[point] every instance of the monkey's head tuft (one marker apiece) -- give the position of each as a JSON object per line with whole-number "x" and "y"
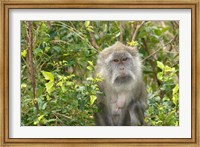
{"x": 118, "y": 46}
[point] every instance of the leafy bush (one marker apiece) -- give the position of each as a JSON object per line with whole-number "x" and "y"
{"x": 57, "y": 64}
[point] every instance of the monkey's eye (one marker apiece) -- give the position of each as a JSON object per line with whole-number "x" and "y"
{"x": 125, "y": 59}
{"x": 116, "y": 60}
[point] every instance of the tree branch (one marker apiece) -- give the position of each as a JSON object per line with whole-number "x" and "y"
{"x": 137, "y": 29}
{"x": 121, "y": 28}
{"x": 152, "y": 63}
{"x": 30, "y": 62}
{"x": 160, "y": 48}
{"x": 93, "y": 40}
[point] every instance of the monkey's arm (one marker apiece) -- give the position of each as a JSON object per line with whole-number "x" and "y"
{"x": 103, "y": 117}
{"x": 138, "y": 106}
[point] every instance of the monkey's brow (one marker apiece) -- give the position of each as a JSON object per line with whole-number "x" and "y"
{"x": 120, "y": 56}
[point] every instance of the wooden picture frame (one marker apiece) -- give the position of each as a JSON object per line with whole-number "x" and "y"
{"x": 4, "y": 73}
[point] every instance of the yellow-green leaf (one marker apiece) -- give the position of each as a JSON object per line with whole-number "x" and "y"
{"x": 160, "y": 65}
{"x": 23, "y": 53}
{"x": 40, "y": 117}
{"x": 175, "y": 89}
{"x": 49, "y": 86}
{"x": 92, "y": 99}
{"x": 23, "y": 85}
{"x": 175, "y": 94}
{"x": 48, "y": 75}
{"x": 160, "y": 76}
{"x": 90, "y": 63}
{"x": 133, "y": 43}
{"x": 90, "y": 29}
{"x": 89, "y": 68}
{"x": 87, "y": 23}
{"x": 48, "y": 97}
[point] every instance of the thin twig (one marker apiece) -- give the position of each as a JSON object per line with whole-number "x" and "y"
{"x": 79, "y": 34}
{"x": 121, "y": 28}
{"x": 137, "y": 29}
{"x": 58, "y": 41}
{"x": 67, "y": 117}
{"x": 160, "y": 48}
{"x": 30, "y": 62}
{"x": 152, "y": 64}
{"x": 93, "y": 40}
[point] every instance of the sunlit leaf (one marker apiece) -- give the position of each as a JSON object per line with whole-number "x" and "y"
{"x": 90, "y": 62}
{"x": 87, "y": 23}
{"x": 175, "y": 94}
{"x": 44, "y": 106}
{"x": 160, "y": 76}
{"x": 40, "y": 117}
{"x": 23, "y": 53}
{"x": 89, "y": 68}
{"x": 23, "y": 85}
{"x": 49, "y": 86}
{"x": 48, "y": 75}
{"x": 92, "y": 99}
{"x": 160, "y": 65}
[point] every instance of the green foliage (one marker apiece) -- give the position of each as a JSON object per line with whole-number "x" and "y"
{"x": 64, "y": 56}
{"x": 163, "y": 105}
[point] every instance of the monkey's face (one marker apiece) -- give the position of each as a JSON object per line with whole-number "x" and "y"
{"x": 122, "y": 68}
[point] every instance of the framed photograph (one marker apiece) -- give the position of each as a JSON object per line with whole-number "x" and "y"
{"x": 106, "y": 72}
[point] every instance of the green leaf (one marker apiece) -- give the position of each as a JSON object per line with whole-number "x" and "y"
{"x": 90, "y": 29}
{"x": 44, "y": 106}
{"x": 23, "y": 53}
{"x": 170, "y": 118}
{"x": 57, "y": 48}
{"x": 48, "y": 98}
{"x": 157, "y": 32}
{"x": 23, "y": 85}
{"x": 160, "y": 65}
{"x": 63, "y": 88}
{"x": 60, "y": 84}
{"x": 169, "y": 69}
{"x": 90, "y": 63}
{"x": 160, "y": 76}
{"x": 40, "y": 117}
{"x": 36, "y": 122}
{"x": 87, "y": 23}
{"x": 89, "y": 68}
{"x": 175, "y": 94}
{"x": 51, "y": 120}
{"x": 176, "y": 88}
{"x": 69, "y": 83}
{"x": 47, "y": 49}
{"x": 37, "y": 51}
{"x": 89, "y": 79}
{"x": 133, "y": 43}
{"x": 48, "y": 76}
{"x": 49, "y": 86}
{"x": 92, "y": 99}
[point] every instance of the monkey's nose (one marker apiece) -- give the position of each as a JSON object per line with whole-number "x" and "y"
{"x": 121, "y": 68}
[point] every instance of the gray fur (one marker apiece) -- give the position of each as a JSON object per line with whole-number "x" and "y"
{"x": 124, "y": 99}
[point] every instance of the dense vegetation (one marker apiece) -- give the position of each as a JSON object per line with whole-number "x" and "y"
{"x": 57, "y": 64}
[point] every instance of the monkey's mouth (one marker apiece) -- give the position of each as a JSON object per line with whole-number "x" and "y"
{"x": 123, "y": 79}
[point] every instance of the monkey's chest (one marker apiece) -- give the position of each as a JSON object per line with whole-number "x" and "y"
{"x": 118, "y": 102}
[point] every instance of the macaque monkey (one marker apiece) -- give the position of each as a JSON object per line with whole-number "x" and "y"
{"x": 124, "y": 99}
